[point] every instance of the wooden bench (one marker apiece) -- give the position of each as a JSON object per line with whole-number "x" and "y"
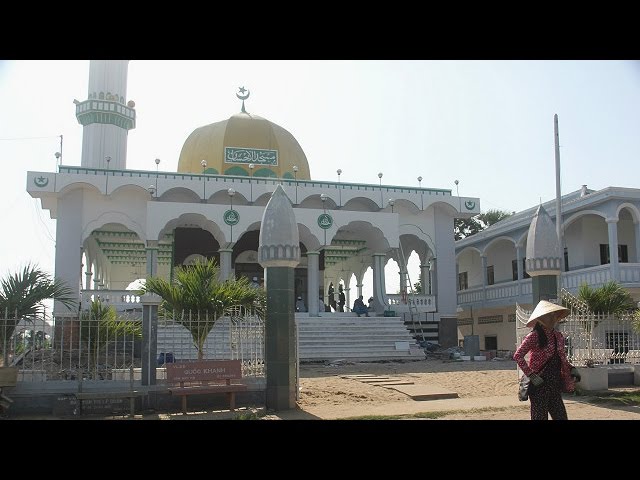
{"x": 8, "y": 378}
{"x": 131, "y": 394}
{"x": 205, "y": 376}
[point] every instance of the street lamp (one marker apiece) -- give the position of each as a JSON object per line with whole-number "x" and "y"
{"x": 203, "y": 163}
{"x": 58, "y": 155}
{"x": 295, "y": 176}
{"x": 339, "y": 172}
{"x": 421, "y": 193}
{"x": 231, "y": 192}
{"x": 380, "y": 178}
{"x": 251, "y": 167}
{"x": 152, "y": 190}
{"x": 106, "y": 187}
{"x": 157, "y": 164}
{"x": 458, "y": 193}
{"x": 323, "y": 197}
{"x": 391, "y": 203}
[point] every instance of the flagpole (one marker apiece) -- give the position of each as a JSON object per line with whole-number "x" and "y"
{"x": 558, "y": 201}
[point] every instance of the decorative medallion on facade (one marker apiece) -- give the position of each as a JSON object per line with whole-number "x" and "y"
{"x": 41, "y": 182}
{"x": 251, "y": 155}
{"x": 231, "y": 217}
{"x": 325, "y": 221}
{"x": 470, "y": 204}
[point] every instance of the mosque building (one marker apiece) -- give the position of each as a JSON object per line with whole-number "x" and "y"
{"x": 116, "y": 225}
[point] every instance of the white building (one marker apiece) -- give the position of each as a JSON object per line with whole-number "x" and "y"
{"x": 116, "y": 225}
{"x": 601, "y": 242}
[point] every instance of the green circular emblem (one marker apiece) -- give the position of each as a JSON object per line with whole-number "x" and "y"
{"x": 325, "y": 221}
{"x": 470, "y": 204}
{"x": 231, "y": 217}
{"x": 41, "y": 182}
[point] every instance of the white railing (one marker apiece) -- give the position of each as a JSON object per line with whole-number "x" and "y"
{"x": 592, "y": 339}
{"x": 412, "y": 302}
{"x": 593, "y": 276}
{"x": 121, "y": 300}
{"x": 508, "y": 291}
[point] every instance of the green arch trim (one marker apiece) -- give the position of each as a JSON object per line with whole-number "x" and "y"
{"x": 288, "y": 175}
{"x": 211, "y": 171}
{"x": 236, "y": 171}
{"x": 265, "y": 172}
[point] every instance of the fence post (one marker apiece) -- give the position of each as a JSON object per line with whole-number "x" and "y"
{"x": 150, "y": 303}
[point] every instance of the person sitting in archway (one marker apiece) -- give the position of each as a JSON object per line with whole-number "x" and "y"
{"x": 359, "y": 307}
{"x": 300, "y": 306}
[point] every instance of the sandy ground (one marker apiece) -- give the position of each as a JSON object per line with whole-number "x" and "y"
{"x": 486, "y": 391}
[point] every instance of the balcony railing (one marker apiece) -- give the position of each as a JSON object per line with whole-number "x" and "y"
{"x": 122, "y": 300}
{"x": 507, "y": 292}
{"x": 415, "y": 303}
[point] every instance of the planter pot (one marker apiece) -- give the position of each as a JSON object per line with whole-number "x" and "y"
{"x": 596, "y": 378}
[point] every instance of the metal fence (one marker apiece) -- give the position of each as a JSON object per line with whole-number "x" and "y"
{"x": 238, "y": 335}
{"x": 107, "y": 347}
{"x": 592, "y": 339}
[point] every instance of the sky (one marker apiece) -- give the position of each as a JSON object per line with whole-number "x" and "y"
{"x": 487, "y": 124}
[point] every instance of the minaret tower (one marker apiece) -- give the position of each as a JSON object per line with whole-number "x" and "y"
{"x": 106, "y": 116}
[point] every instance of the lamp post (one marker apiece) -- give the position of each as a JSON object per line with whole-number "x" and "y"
{"x": 391, "y": 203}
{"x": 157, "y": 164}
{"x": 203, "y": 163}
{"x": 323, "y": 197}
{"x": 251, "y": 167}
{"x": 295, "y": 176}
{"x": 421, "y": 193}
{"x": 231, "y": 193}
{"x": 458, "y": 194}
{"x": 339, "y": 172}
{"x": 106, "y": 187}
{"x": 58, "y": 155}
{"x": 380, "y": 179}
{"x": 152, "y": 191}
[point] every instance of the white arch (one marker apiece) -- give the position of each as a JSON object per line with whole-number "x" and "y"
{"x": 580, "y": 214}
{"x": 496, "y": 240}
{"x": 635, "y": 213}
{"x": 475, "y": 249}
{"x": 113, "y": 217}
{"x": 194, "y": 218}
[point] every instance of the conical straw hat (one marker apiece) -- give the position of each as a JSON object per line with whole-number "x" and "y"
{"x": 545, "y": 309}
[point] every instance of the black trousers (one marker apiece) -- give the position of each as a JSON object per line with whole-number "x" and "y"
{"x": 547, "y": 398}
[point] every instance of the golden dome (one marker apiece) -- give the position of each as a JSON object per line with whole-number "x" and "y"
{"x": 231, "y": 145}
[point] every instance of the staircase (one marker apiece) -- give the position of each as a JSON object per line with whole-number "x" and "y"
{"x": 347, "y": 336}
{"x": 420, "y": 327}
{"x": 331, "y": 336}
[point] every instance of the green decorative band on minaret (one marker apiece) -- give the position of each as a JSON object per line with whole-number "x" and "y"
{"x": 105, "y": 112}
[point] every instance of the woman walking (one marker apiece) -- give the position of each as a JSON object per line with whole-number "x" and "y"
{"x": 548, "y": 368}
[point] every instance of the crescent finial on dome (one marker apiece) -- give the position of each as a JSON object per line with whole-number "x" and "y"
{"x": 243, "y": 97}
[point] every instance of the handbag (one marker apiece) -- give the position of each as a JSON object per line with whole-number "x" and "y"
{"x": 525, "y": 381}
{"x": 523, "y": 389}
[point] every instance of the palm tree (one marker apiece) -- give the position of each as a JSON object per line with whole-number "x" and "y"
{"x": 197, "y": 298}
{"x": 610, "y": 298}
{"x": 636, "y": 321}
{"x": 100, "y": 325}
{"x": 22, "y": 296}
